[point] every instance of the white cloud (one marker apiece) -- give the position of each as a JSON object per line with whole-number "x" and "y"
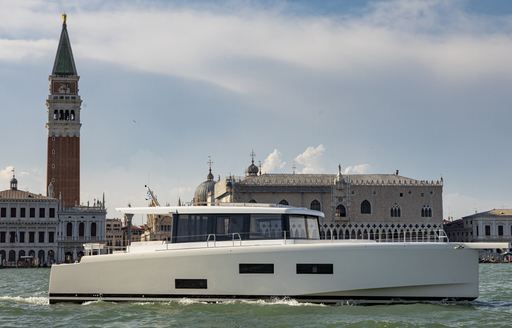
{"x": 357, "y": 169}
{"x": 311, "y": 159}
{"x": 6, "y": 173}
{"x": 273, "y": 162}
{"x": 219, "y": 46}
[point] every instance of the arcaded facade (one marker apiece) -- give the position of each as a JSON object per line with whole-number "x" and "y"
{"x": 360, "y": 206}
{"x": 28, "y": 228}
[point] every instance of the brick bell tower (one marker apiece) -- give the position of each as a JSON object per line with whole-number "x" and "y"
{"x": 63, "y": 104}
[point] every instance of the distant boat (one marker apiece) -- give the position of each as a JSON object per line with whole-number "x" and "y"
{"x": 259, "y": 252}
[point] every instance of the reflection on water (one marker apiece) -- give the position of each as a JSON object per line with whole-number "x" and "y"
{"x": 23, "y": 302}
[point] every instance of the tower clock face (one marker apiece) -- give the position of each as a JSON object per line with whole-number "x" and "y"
{"x": 64, "y": 87}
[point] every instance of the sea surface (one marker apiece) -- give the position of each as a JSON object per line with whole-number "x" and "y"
{"x": 24, "y": 303}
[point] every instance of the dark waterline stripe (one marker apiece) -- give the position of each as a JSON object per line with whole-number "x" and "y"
{"x": 80, "y": 298}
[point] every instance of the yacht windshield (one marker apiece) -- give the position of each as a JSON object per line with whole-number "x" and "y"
{"x": 304, "y": 227}
{"x": 197, "y": 227}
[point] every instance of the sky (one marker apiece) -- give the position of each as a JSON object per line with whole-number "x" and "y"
{"x": 376, "y": 86}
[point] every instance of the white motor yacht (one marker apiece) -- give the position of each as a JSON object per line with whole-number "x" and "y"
{"x": 246, "y": 252}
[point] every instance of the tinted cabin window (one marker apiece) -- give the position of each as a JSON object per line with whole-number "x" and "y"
{"x": 256, "y": 268}
{"x": 190, "y": 283}
{"x": 314, "y": 269}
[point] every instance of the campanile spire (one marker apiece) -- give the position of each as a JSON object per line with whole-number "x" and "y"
{"x": 64, "y": 106}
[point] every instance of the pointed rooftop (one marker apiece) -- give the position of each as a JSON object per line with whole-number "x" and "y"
{"x": 64, "y": 62}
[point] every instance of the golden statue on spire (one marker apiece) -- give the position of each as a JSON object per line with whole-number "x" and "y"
{"x": 64, "y": 17}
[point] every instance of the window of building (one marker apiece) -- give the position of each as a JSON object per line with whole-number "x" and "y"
{"x": 93, "y": 229}
{"x": 22, "y": 212}
{"x": 500, "y": 230}
{"x": 315, "y": 205}
{"x": 81, "y": 229}
{"x": 366, "y": 207}
{"x": 12, "y": 236}
{"x": 42, "y": 212}
{"x": 41, "y": 236}
{"x": 22, "y": 237}
{"x": 477, "y": 231}
{"x": 32, "y": 212}
{"x": 395, "y": 211}
{"x": 426, "y": 211}
{"x": 401, "y": 194}
{"x": 341, "y": 211}
{"x": 51, "y": 237}
{"x": 3, "y": 212}
{"x": 69, "y": 229}
{"x": 2, "y": 236}
{"x": 13, "y": 212}
{"x": 283, "y": 202}
{"x": 31, "y": 236}
{"x": 487, "y": 230}
{"x": 52, "y": 212}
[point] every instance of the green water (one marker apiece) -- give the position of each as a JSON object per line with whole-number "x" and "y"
{"x": 23, "y": 302}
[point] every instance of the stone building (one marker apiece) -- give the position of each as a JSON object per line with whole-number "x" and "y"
{"x": 28, "y": 228}
{"x": 490, "y": 226}
{"x": 362, "y": 206}
{"x": 158, "y": 227}
{"x": 77, "y": 226}
{"x": 114, "y": 234}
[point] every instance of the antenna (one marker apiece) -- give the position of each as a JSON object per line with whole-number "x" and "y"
{"x": 209, "y": 163}
{"x": 252, "y": 154}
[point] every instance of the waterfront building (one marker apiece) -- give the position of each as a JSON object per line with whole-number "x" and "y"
{"x": 158, "y": 227}
{"x": 28, "y": 227}
{"x": 77, "y": 226}
{"x": 114, "y": 234}
{"x": 362, "y": 206}
{"x": 134, "y": 236}
{"x": 489, "y": 226}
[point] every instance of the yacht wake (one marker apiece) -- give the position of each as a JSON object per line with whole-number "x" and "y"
{"x": 29, "y": 299}
{"x": 281, "y": 301}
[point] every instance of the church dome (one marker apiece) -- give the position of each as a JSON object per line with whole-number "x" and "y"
{"x": 252, "y": 170}
{"x": 14, "y": 183}
{"x": 205, "y": 188}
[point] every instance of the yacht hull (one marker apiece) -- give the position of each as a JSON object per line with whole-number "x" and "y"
{"x": 361, "y": 273}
